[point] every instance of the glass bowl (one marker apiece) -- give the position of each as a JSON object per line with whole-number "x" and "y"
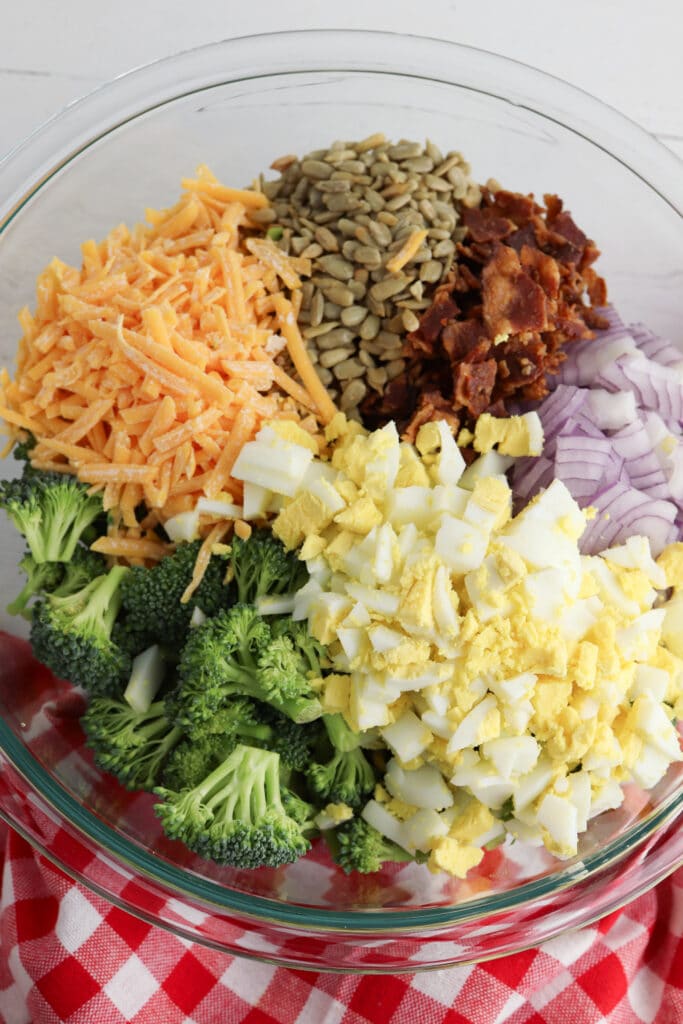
{"x": 237, "y": 105}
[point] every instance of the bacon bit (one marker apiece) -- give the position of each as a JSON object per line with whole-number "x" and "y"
{"x": 497, "y": 325}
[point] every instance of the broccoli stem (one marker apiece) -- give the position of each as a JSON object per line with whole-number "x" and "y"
{"x": 342, "y": 737}
{"x": 100, "y": 600}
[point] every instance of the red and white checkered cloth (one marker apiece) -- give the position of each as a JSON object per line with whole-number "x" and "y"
{"x": 68, "y": 956}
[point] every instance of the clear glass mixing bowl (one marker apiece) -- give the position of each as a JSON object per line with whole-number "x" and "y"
{"x": 237, "y": 105}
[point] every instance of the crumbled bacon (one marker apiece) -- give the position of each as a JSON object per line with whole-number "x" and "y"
{"x": 522, "y": 288}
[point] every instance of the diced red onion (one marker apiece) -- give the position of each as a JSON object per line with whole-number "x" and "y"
{"x": 623, "y": 511}
{"x": 612, "y": 428}
{"x": 654, "y": 347}
{"x": 656, "y": 387}
{"x": 584, "y": 464}
{"x": 563, "y": 403}
{"x": 585, "y": 359}
{"x": 610, "y": 410}
{"x": 644, "y": 469}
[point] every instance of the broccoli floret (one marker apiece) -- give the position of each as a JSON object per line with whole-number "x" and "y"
{"x": 40, "y": 577}
{"x": 347, "y": 778}
{"x": 234, "y": 654}
{"x": 283, "y": 677}
{"x": 340, "y": 734}
{"x": 82, "y": 568}
{"x": 294, "y": 743}
{"x": 151, "y": 598}
{"x": 261, "y": 565}
{"x": 51, "y": 512}
{"x": 130, "y": 744}
{"x": 22, "y": 449}
{"x": 300, "y": 810}
{"x": 195, "y": 758}
{"x": 309, "y": 649}
{"x": 236, "y": 816}
{"x": 72, "y": 634}
{"x": 357, "y": 846}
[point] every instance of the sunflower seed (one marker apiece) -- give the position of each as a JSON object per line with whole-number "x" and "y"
{"x": 369, "y": 255}
{"x": 353, "y": 394}
{"x": 352, "y": 316}
{"x": 410, "y": 321}
{"x": 349, "y": 368}
{"x": 336, "y": 267}
{"x": 388, "y": 287}
{"x": 369, "y": 329}
{"x": 395, "y": 367}
{"x": 339, "y": 294}
{"x": 347, "y": 208}
{"x": 332, "y": 356}
{"x": 326, "y": 238}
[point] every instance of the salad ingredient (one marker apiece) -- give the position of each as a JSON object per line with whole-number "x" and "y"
{"x": 378, "y": 222}
{"x": 505, "y": 662}
{"x": 147, "y": 675}
{"x": 262, "y": 567}
{"x": 129, "y": 742}
{"x": 618, "y": 450}
{"x": 498, "y": 324}
{"x": 152, "y": 606}
{"x": 72, "y": 634}
{"x": 357, "y": 846}
{"x": 237, "y": 652}
{"x": 348, "y": 778}
{"x": 145, "y": 371}
{"x": 238, "y": 814}
{"x": 52, "y": 512}
{"x": 40, "y": 576}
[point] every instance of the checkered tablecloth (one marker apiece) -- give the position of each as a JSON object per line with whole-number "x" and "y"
{"x": 68, "y": 956}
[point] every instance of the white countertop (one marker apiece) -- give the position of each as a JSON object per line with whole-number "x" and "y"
{"x": 625, "y": 52}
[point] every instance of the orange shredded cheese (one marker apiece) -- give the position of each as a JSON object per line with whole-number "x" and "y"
{"x": 407, "y": 251}
{"x": 214, "y": 536}
{"x": 145, "y": 371}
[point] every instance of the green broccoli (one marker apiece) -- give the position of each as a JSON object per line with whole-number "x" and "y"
{"x": 200, "y": 752}
{"x": 130, "y": 744}
{"x": 22, "y": 449}
{"x": 300, "y": 810}
{"x": 309, "y": 649}
{"x": 72, "y": 634}
{"x": 347, "y": 778}
{"x": 152, "y": 611}
{"x": 340, "y": 734}
{"x": 261, "y": 565}
{"x": 193, "y": 759}
{"x": 81, "y": 569}
{"x": 40, "y": 577}
{"x": 232, "y": 654}
{"x": 284, "y": 680}
{"x": 51, "y": 511}
{"x": 357, "y": 846}
{"x": 236, "y": 816}
{"x": 296, "y": 744}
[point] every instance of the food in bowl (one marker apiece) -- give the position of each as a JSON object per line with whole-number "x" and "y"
{"x": 420, "y": 635}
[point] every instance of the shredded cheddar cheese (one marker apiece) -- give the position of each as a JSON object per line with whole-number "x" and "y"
{"x": 145, "y": 371}
{"x": 407, "y": 251}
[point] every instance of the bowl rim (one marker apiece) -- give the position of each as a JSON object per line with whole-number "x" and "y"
{"x": 60, "y": 140}
{"x": 129, "y": 853}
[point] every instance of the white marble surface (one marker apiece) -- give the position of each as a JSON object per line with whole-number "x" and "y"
{"x": 625, "y": 52}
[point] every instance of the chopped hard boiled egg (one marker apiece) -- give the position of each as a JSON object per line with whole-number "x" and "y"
{"x": 500, "y": 666}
